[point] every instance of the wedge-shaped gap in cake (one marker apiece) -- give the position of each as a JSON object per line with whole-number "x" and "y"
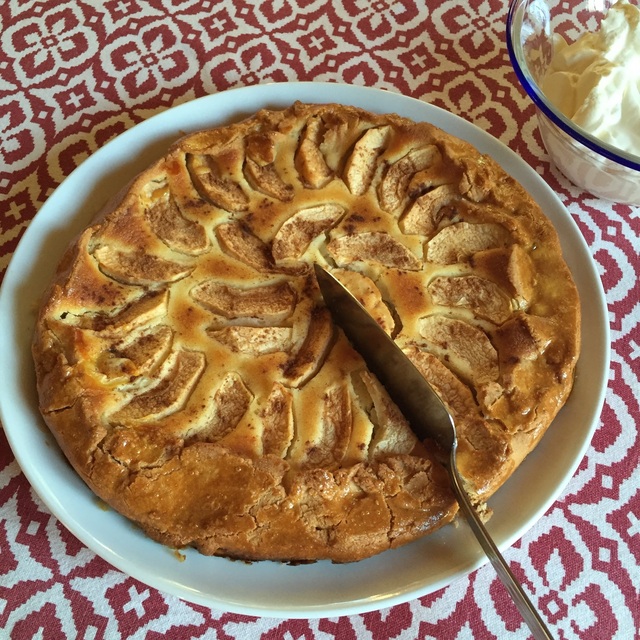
{"x": 295, "y": 235}
{"x": 211, "y": 180}
{"x": 373, "y": 247}
{"x": 458, "y": 242}
{"x": 170, "y": 394}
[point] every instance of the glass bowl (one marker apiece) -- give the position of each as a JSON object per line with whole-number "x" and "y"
{"x": 588, "y": 162}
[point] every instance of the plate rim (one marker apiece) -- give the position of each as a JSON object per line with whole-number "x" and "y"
{"x": 284, "y": 93}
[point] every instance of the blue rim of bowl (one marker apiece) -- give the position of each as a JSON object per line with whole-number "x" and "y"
{"x": 534, "y": 92}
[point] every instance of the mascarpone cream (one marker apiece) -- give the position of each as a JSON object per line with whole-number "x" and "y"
{"x": 595, "y": 81}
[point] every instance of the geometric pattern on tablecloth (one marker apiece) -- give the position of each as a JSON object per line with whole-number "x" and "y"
{"x": 74, "y": 76}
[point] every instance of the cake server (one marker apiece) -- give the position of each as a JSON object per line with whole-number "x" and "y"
{"x": 425, "y": 412}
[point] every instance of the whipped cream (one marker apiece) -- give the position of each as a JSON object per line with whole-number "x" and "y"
{"x": 595, "y": 81}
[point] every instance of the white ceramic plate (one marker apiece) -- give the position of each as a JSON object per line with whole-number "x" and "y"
{"x": 270, "y": 589}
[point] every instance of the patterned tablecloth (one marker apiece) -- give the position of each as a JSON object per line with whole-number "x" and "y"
{"x": 73, "y": 75}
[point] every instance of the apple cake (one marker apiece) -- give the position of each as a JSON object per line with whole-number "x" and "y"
{"x": 191, "y": 374}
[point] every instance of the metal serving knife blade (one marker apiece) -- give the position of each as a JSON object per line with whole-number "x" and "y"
{"x": 425, "y": 412}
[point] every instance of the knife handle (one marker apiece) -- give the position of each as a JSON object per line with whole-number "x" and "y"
{"x": 529, "y": 613}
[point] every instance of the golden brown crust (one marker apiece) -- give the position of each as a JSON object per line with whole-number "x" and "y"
{"x": 191, "y": 374}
